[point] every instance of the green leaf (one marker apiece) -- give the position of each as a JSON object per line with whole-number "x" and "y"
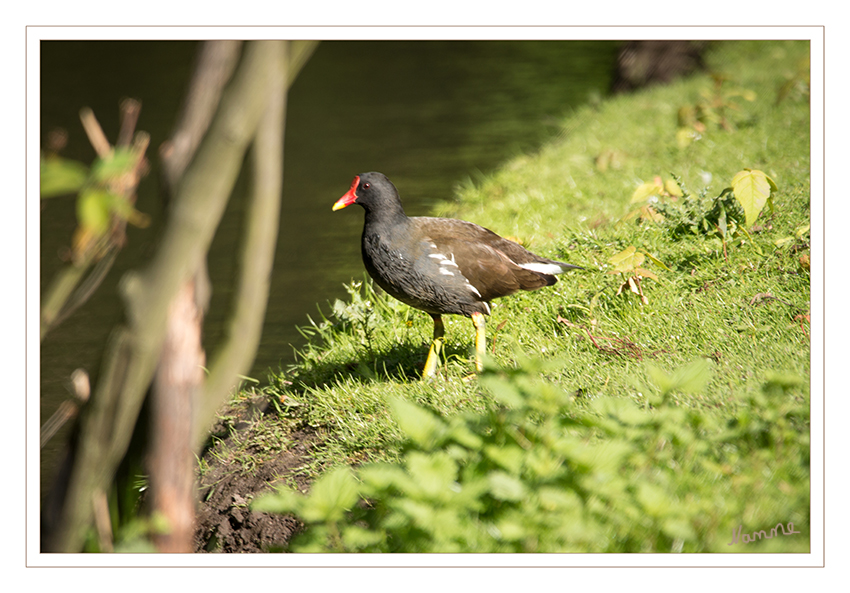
{"x": 687, "y": 379}
{"x": 692, "y": 377}
{"x": 434, "y": 474}
{"x": 678, "y": 529}
{"x": 782, "y": 383}
{"x": 621, "y": 408}
{"x": 510, "y": 529}
{"x": 509, "y": 457}
{"x": 462, "y": 435}
{"x": 684, "y": 136}
{"x": 356, "y": 538}
{"x": 331, "y": 496}
{"x": 558, "y": 499}
{"x": 752, "y": 189}
{"x": 93, "y": 210}
{"x": 657, "y": 261}
{"x": 644, "y": 191}
{"x": 721, "y": 220}
{"x": 659, "y": 378}
{"x": 627, "y": 260}
{"x": 645, "y": 273}
{"x": 672, "y": 188}
{"x": 423, "y": 427}
{"x": 606, "y": 457}
{"x": 279, "y": 501}
{"x": 381, "y": 476}
{"x": 504, "y": 486}
{"x": 61, "y": 176}
{"x": 654, "y": 500}
{"x": 120, "y": 162}
{"x": 123, "y": 209}
{"x": 502, "y": 391}
{"x": 801, "y": 230}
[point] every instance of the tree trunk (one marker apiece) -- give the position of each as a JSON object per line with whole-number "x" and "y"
{"x": 176, "y": 386}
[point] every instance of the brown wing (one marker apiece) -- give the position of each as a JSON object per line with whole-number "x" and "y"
{"x": 487, "y": 261}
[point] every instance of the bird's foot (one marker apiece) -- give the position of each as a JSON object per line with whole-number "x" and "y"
{"x": 433, "y": 360}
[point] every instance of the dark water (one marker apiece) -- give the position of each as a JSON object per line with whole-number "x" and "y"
{"x": 428, "y": 114}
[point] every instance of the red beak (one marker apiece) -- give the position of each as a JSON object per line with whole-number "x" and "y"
{"x": 349, "y": 198}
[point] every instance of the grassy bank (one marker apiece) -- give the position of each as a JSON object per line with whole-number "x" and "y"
{"x": 667, "y": 418}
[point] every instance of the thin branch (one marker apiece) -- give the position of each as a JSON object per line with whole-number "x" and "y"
{"x": 106, "y": 424}
{"x": 213, "y": 69}
{"x": 74, "y": 284}
{"x": 244, "y": 328}
{"x": 130, "y": 110}
{"x": 95, "y": 133}
{"x": 299, "y": 53}
{"x": 81, "y": 389}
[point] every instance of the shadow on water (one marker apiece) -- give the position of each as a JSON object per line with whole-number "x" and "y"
{"x": 429, "y": 114}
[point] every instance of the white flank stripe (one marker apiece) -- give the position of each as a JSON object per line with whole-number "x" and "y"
{"x": 437, "y": 255}
{"x": 473, "y": 289}
{"x": 542, "y": 268}
{"x": 446, "y": 272}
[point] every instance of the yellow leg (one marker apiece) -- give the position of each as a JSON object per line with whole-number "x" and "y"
{"x": 479, "y": 321}
{"x": 436, "y": 349}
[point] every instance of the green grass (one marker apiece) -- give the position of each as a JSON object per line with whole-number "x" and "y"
{"x": 741, "y": 306}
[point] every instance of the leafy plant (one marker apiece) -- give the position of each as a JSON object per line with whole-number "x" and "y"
{"x": 711, "y": 111}
{"x": 650, "y": 193}
{"x": 545, "y": 472}
{"x": 799, "y": 83}
{"x": 728, "y": 215}
{"x": 628, "y": 264}
{"x": 752, "y": 190}
{"x": 358, "y": 313}
{"x": 105, "y": 195}
{"x": 100, "y": 198}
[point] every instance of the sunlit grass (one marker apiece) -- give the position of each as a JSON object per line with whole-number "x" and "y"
{"x": 743, "y": 306}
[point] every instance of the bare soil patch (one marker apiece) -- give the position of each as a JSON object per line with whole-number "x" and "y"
{"x": 224, "y": 521}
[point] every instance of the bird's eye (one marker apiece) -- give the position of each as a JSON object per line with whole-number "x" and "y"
{"x": 367, "y": 185}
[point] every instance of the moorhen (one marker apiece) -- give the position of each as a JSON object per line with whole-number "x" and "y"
{"x": 441, "y": 265}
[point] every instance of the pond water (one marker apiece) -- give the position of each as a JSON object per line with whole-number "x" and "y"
{"x": 429, "y": 114}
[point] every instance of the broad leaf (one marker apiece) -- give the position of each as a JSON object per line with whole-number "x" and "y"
{"x": 645, "y": 273}
{"x": 672, "y": 188}
{"x": 644, "y": 191}
{"x": 433, "y": 473}
{"x": 331, "y": 496}
{"x": 61, "y": 176}
{"x": 280, "y": 501}
{"x": 120, "y": 162}
{"x": 752, "y": 189}
{"x": 657, "y": 261}
{"x": 504, "y": 486}
{"x": 692, "y": 377}
{"x": 93, "y": 211}
{"x": 505, "y": 392}
{"x": 422, "y": 426}
{"x": 627, "y": 260}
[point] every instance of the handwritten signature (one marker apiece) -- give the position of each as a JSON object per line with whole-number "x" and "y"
{"x": 747, "y": 538}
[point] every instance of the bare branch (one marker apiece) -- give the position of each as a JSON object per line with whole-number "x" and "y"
{"x": 130, "y": 110}
{"x": 106, "y": 424}
{"x": 95, "y": 133}
{"x": 244, "y": 327}
{"x": 214, "y": 68}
